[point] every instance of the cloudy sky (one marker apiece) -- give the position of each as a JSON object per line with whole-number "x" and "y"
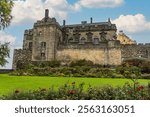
{"x": 131, "y": 16}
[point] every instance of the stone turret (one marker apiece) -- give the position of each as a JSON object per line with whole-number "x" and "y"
{"x": 46, "y": 35}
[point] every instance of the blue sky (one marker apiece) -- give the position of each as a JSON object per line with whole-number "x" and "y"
{"x": 131, "y": 16}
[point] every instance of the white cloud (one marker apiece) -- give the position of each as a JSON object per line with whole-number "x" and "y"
{"x": 5, "y": 37}
{"x": 34, "y": 9}
{"x": 100, "y": 3}
{"x": 132, "y": 23}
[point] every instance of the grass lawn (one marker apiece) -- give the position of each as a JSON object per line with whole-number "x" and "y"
{"x": 11, "y": 83}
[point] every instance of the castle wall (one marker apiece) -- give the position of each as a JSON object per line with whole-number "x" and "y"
{"x": 20, "y": 55}
{"x": 135, "y": 51}
{"x": 101, "y": 56}
{"x": 114, "y": 56}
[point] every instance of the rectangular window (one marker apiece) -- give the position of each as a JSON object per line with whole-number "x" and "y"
{"x": 43, "y": 44}
{"x": 30, "y": 45}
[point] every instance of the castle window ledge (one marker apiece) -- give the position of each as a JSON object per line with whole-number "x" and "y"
{"x": 43, "y": 48}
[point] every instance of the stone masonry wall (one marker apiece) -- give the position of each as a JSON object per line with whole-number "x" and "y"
{"x": 21, "y": 55}
{"x": 101, "y": 56}
{"x": 135, "y": 51}
{"x": 114, "y": 57}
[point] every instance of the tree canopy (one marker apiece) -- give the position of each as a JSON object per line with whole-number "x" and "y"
{"x": 4, "y": 53}
{"x": 5, "y": 19}
{"x": 5, "y": 13}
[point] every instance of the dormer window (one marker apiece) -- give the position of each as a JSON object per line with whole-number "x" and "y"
{"x": 96, "y": 41}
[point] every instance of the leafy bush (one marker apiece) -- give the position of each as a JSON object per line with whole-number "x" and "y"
{"x": 138, "y": 68}
{"x": 81, "y": 63}
{"x": 52, "y": 63}
{"x": 129, "y": 72}
{"x": 140, "y": 63}
{"x": 77, "y": 71}
{"x": 133, "y": 62}
{"x": 146, "y": 76}
{"x": 145, "y": 67}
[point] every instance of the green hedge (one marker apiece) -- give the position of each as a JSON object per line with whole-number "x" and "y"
{"x": 82, "y": 68}
{"x": 81, "y": 71}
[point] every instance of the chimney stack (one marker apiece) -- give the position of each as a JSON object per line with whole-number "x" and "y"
{"x": 46, "y": 13}
{"x": 91, "y": 20}
{"x": 64, "y": 22}
{"x": 109, "y": 20}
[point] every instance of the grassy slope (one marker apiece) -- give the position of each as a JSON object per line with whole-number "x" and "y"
{"x": 10, "y": 83}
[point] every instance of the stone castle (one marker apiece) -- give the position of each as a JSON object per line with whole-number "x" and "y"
{"x": 94, "y": 41}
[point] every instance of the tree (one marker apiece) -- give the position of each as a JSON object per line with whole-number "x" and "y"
{"x": 5, "y": 19}
{"x": 4, "y": 53}
{"x": 5, "y": 13}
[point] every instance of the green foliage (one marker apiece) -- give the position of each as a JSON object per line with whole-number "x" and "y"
{"x": 5, "y": 18}
{"x": 132, "y": 62}
{"x": 4, "y": 53}
{"x": 81, "y": 71}
{"x": 77, "y": 71}
{"x": 71, "y": 91}
{"x": 129, "y": 72}
{"x": 145, "y": 67}
{"x": 143, "y": 64}
{"x": 84, "y": 68}
{"x": 50, "y": 64}
{"x": 81, "y": 63}
{"x": 5, "y": 13}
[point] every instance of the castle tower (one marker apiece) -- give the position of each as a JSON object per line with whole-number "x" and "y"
{"x": 46, "y": 34}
